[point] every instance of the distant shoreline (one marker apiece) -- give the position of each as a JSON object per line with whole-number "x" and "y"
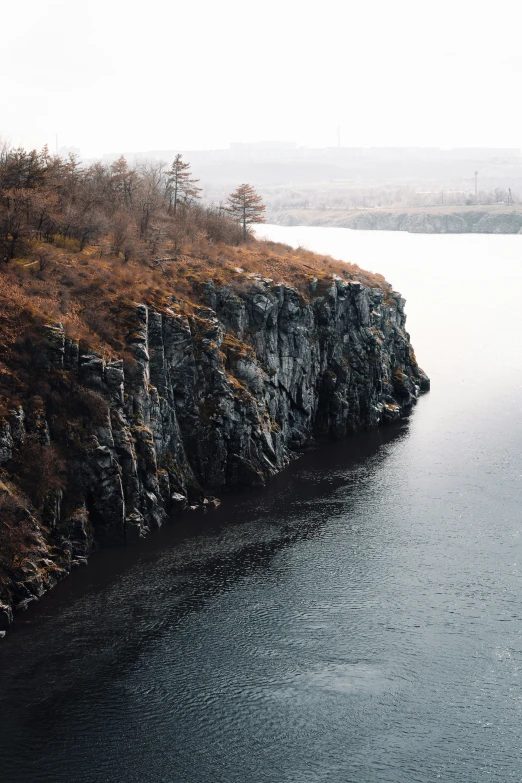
{"x": 489, "y": 219}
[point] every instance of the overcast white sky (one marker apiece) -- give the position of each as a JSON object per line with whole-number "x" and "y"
{"x": 108, "y": 75}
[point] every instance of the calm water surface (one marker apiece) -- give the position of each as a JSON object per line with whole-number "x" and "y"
{"x": 359, "y": 621}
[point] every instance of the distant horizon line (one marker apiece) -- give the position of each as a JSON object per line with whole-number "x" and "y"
{"x": 284, "y": 146}
{"x": 265, "y": 145}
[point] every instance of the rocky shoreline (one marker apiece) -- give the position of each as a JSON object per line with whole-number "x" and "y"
{"x": 204, "y": 401}
{"x": 476, "y": 221}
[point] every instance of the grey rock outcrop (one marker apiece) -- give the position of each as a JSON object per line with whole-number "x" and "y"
{"x": 211, "y": 400}
{"x": 476, "y": 221}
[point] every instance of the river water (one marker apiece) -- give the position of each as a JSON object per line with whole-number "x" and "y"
{"x": 358, "y": 621}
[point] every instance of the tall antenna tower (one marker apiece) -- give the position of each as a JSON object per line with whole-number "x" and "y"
{"x": 476, "y": 189}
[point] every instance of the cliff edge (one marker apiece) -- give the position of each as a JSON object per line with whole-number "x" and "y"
{"x": 207, "y": 394}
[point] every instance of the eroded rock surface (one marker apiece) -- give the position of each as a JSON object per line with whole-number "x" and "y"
{"x": 212, "y": 399}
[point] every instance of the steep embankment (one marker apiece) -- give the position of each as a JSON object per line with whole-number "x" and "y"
{"x": 459, "y": 221}
{"x": 205, "y": 396}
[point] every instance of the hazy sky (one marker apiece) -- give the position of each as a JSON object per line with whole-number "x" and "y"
{"x": 108, "y": 75}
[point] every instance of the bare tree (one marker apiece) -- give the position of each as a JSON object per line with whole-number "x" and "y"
{"x": 122, "y": 235}
{"x": 14, "y": 212}
{"x": 149, "y": 195}
{"x": 44, "y": 258}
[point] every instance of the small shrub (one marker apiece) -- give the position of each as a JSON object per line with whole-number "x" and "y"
{"x": 38, "y": 469}
{"x": 17, "y": 535}
{"x": 92, "y": 404}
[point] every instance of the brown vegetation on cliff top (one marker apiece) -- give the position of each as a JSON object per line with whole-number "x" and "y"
{"x": 81, "y": 245}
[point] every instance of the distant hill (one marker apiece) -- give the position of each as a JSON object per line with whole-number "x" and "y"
{"x": 345, "y": 178}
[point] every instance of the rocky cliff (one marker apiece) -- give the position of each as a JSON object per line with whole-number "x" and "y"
{"x": 203, "y": 399}
{"x": 418, "y": 222}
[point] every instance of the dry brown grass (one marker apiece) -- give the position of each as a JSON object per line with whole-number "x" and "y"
{"x": 91, "y": 295}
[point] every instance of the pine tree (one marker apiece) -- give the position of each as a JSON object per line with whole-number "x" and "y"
{"x": 124, "y": 180}
{"x": 246, "y": 206}
{"x": 180, "y": 186}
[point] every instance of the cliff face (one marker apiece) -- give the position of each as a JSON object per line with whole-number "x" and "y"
{"x": 458, "y": 222}
{"x": 206, "y": 400}
{"x": 476, "y": 222}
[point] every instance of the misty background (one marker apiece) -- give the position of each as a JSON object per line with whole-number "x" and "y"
{"x": 358, "y": 106}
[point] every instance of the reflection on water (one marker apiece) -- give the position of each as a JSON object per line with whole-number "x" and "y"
{"x": 358, "y": 621}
